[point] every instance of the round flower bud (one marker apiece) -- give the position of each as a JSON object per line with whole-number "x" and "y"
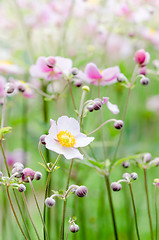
{"x": 144, "y": 81}
{"x": 78, "y": 83}
{"x": 125, "y": 164}
{"x": 17, "y": 171}
{"x": 74, "y": 228}
{"x": 147, "y": 157}
{"x": 86, "y": 88}
{"x": 42, "y": 139}
{"x": 121, "y": 78}
{"x": 10, "y": 88}
{"x": 50, "y": 202}
{"x": 90, "y": 108}
{"x": 118, "y": 124}
{"x": 81, "y": 191}
{"x": 126, "y": 176}
{"x": 21, "y": 188}
{"x": 21, "y": 87}
{"x": 1, "y": 174}
{"x": 141, "y": 57}
{"x": 28, "y": 172}
{"x": 18, "y": 164}
{"x": 50, "y": 62}
{"x": 115, "y": 186}
{"x": 156, "y": 180}
{"x": 143, "y": 70}
{"x": 38, "y": 176}
{"x": 74, "y": 71}
{"x": 134, "y": 175}
{"x": 156, "y": 161}
{"x": 97, "y": 103}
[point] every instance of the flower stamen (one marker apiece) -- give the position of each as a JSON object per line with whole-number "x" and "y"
{"x": 66, "y": 139}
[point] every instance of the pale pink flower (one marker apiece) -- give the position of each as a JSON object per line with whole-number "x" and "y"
{"x": 94, "y": 76}
{"x": 65, "y": 137}
{"x": 141, "y": 57}
{"x": 17, "y": 155}
{"x": 10, "y": 68}
{"x": 51, "y": 68}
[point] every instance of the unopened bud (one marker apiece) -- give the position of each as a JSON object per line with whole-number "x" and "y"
{"x": 38, "y": 175}
{"x": 21, "y": 188}
{"x": 42, "y": 139}
{"x": 74, "y": 228}
{"x": 17, "y": 171}
{"x": 74, "y": 71}
{"x": 134, "y": 175}
{"x": 86, "y": 88}
{"x": 21, "y": 87}
{"x": 143, "y": 70}
{"x": 126, "y": 176}
{"x": 147, "y": 157}
{"x": 18, "y": 164}
{"x": 81, "y": 191}
{"x": 97, "y": 103}
{"x": 78, "y": 83}
{"x": 125, "y": 164}
{"x": 50, "y": 202}
{"x": 118, "y": 124}
{"x": 115, "y": 186}
{"x": 144, "y": 81}
{"x": 121, "y": 78}
{"x": 50, "y": 61}
{"x": 90, "y": 108}
{"x": 10, "y": 88}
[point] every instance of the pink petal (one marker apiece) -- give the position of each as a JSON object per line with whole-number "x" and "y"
{"x": 41, "y": 64}
{"x": 63, "y": 65}
{"x": 109, "y": 75}
{"x": 113, "y": 108}
{"x": 82, "y": 140}
{"x": 92, "y": 71}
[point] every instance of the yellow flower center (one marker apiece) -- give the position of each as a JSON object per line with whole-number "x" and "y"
{"x": 5, "y": 62}
{"x": 66, "y": 139}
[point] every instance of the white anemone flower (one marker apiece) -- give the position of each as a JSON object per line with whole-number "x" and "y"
{"x": 65, "y": 137}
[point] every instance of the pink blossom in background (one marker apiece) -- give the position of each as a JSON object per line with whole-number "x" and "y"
{"x": 18, "y": 155}
{"x": 10, "y": 68}
{"x": 94, "y": 76}
{"x": 2, "y": 85}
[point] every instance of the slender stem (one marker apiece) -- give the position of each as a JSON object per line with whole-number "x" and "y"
{"x": 72, "y": 96}
{"x": 3, "y": 110}
{"x": 4, "y": 157}
{"x": 65, "y": 201}
{"x": 37, "y": 204}
{"x": 68, "y": 232}
{"x": 156, "y": 212}
{"x": 111, "y": 205}
{"x": 43, "y": 158}
{"x": 134, "y": 208}
{"x": 26, "y": 205}
{"x": 10, "y": 201}
{"x": 81, "y": 107}
{"x": 148, "y": 204}
{"x": 110, "y": 120}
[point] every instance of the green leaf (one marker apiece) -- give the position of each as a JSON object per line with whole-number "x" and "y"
{"x": 42, "y": 164}
{"x": 97, "y": 164}
{"x": 4, "y": 130}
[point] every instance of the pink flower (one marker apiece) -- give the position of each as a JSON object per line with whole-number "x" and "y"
{"x": 10, "y": 68}
{"x": 65, "y": 137}
{"x": 94, "y": 76}
{"x": 141, "y": 57}
{"x": 16, "y": 156}
{"x": 51, "y": 68}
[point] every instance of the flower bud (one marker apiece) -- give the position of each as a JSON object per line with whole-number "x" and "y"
{"x": 134, "y": 175}
{"x": 1, "y": 174}
{"x": 115, "y": 186}
{"x": 74, "y": 71}
{"x": 144, "y": 81}
{"x": 121, "y": 78}
{"x": 97, "y": 104}
{"x": 18, "y": 164}
{"x": 156, "y": 161}
{"x": 21, "y": 188}
{"x": 38, "y": 175}
{"x": 28, "y": 172}
{"x": 21, "y": 87}
{"x": 50, "y": 62}
{"x": 50, "y": 202}
{"x": 74, "y": 228}
{"x": 17, "y": 171}
{"x": 126, "y": 176}
{"x": 141, "y": 57}
{"x": 78, "y": 83}
{"x": 125, "y": 164}
{"x": 90, "y": 108}
{"x": 118, "y": 124}
{"x": 10, "y": 87}
{"x": 143, "y": 70}
{"x": 42, "y": 139}
{"x": 81, "y": 191}
{"x": 86, "y": 88}
{"x": 147, "y": 157}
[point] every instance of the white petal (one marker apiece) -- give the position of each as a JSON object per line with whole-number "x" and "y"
{"x": 71, "y": 125}
{"x": 70, "y": 153}
{"x": 113, "y": 108}
{"x": 82, "y": 140}
{"x": 53, "y": 129}
{"x": 53, "y": 145}
{"x": 64, "y": 64}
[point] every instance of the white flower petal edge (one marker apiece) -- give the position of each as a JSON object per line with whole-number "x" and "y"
{"x": 113, "y": 108}
{"x": 82, "y": 140}
{"x": 71, "y": 125}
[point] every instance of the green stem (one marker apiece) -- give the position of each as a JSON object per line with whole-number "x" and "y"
{"x": 65, "y": 201}
{"x": 111, "y": 205}
{"x": 26, "y": 205}
{"x": 156, "y": 212}
{"x": 15, "y": 214}
{"x": 134, "y": 208}
{"x": 37, "y": 204}
{"x": 72, "y": 96}
{"x": 148, "y": 204}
